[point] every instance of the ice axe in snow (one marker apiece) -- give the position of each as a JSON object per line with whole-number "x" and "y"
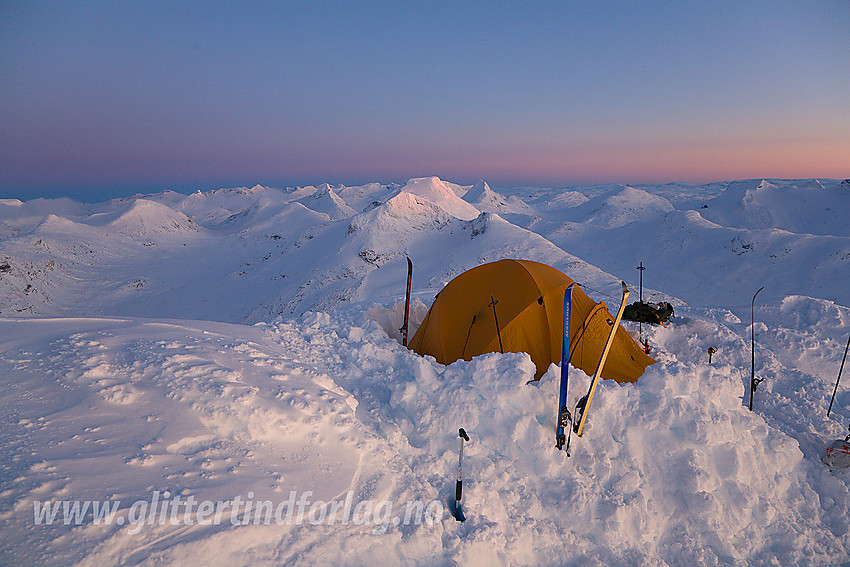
{"x": 457, "y": 512}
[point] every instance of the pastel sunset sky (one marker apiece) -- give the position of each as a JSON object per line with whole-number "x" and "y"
{"x": 101, "y": 99}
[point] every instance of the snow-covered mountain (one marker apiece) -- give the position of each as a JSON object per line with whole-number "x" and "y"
{"x": 325, "y": 200}
{"x": 806, "y": 206}
{"x": 147, "y": 218}
{"x": 622, "y": 206}
{"x": 244, "y": 343}
{"x": 483, "y": 198}
{"x": 441, "y": 194}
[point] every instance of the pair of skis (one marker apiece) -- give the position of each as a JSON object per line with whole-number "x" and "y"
{"x": 565, "y": 418}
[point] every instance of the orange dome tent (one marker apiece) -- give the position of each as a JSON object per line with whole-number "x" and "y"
{"x": 530, "y": 307}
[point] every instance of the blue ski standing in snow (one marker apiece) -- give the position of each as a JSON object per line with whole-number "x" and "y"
{"x": 565, "y": 419}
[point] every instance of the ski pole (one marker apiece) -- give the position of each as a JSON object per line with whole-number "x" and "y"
{"x": 640, "y": 322}
{"x": 459, "y": 486}
{"x": 839, "y": 376}
{"x": 406, "y": 303}
{"x": 754, "y": 382}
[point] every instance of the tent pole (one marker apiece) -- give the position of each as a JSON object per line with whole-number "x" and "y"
{"x": 493, "y": 303}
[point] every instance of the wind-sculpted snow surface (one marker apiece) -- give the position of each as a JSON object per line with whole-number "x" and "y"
{"x": 145, "y": 423}
{"x": 671, "y": 470}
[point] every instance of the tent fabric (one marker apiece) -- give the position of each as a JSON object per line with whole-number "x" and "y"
{"x": 529, "y": 305}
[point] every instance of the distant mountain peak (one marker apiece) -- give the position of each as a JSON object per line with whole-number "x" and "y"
{"x": 439, "y": 193}
{"x": 146, "y": 217}
{"x": 485, "y": 199}
{"x": 325, "y": 200}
